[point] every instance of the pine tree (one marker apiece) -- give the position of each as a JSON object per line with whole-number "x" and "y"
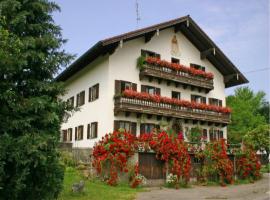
{"x": 30, "y": 109}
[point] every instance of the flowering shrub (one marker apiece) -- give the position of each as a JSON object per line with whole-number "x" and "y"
{"x": 248, "y": 165}
{"x": 137, "y": 179}
{"x": 178, "y": 102}
{"x": 171, "y": 180}
{"x": 115, "y": 149}
{"x": 179, "y": 67}
{"x": 217, "y": 162}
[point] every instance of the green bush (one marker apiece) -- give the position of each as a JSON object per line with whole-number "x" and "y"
{"x": 67, "y": 159}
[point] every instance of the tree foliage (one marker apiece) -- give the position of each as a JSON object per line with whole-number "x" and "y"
{"x": 246, "y": 114}
{"x": 30, "y": 111}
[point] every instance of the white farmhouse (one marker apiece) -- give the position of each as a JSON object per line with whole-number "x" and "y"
{"x": 95, "y": 83}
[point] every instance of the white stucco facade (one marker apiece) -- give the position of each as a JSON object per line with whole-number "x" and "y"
{"x": 121, "y": 65}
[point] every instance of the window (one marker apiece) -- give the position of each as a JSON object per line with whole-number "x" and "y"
{"x": 205, "y": 137}
{"x": 198, "y": 99}
{"x": 148, "y": 128}
{"x": 197, "y": 66}
{"x": 175, "y": 60}
{"x": 216, "y": 102}
{"x": 94, "y": 130}
{"x": 146, "y": 53}
{"x": 121, "y": 86}
{"x": 93, "y": 92}
{"x": 215, "y": 134}
{"x": 79, "y": 133}
{"x": 80, "y": 98}
{"x": 69, "y": 134}
{"x": 70, "y": 102}
{"x": 150, "y": 89}
{"x": 127, "y": 125}
{"x": 64, "y": 135}
{"x": 176, "y": 95}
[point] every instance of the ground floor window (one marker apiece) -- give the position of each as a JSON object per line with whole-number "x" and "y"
{"x": 125, "y": 125}
{"x": 148, "y": 128}
{"x": 92, "y": 130}
{"x": 79, "y": 132}
{"x": 215, "y": 134}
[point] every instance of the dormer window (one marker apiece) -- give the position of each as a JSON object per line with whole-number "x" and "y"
{"x": 147, "y": 53}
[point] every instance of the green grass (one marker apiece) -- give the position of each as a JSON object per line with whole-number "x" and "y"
{"x": 94, "y": 189}
{"x": 265, "y": 168}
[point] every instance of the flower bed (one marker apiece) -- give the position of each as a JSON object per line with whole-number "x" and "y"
{"x": 178, "y": 67}
{"x": 184, "y": 103}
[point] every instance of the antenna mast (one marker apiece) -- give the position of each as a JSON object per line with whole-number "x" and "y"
{"x": 137, "y": 14}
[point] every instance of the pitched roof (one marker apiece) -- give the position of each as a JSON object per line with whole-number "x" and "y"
{"x": 208, "y": 49}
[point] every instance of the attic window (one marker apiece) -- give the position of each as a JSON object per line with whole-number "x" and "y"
{"x": 175, "y": 60}
{"x": 197, "y": 66}
{"x": 146, "y": 53}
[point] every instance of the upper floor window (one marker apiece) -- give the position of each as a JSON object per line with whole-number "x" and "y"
{"x": 148, "y": 128}
{"x": 80, "y": 99}
{"x": 147, "y": 53}
{"x": 197, "y": 66}
{"x": 121, "y": 86}
{"x": 150, "y": 89}
{"x": 198, "y": 99}
{"x": 215, "y": 102}
{"x": 126, "y": 125}
{"x": 70, "y": 102}
{"x": 79, "y": 132}
{"x": 175, "y": 60}
{"x": 92, "y": 130}
{"x": 176, "y": 95}
{"x": 93, "y": 92}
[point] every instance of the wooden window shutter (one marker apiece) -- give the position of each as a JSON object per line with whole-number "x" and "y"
{"x": 96, "y": 130}
{"x": 90, "y": 94}
{"x": 133, "y": 128}
{"x": 157, "y": 91}
{"x": 77, "y": 100}
{"x": 76, "y": 133}
{"x": 64, "y": 132}
{"x": 82, "y": 127}
{"x": 220, "y": 102}
{"x": 82, "y": 97}
{"x": 143, "y": 88}
{"x": 142, "y": 128}
{"x": 88, "y": 131}
{"x": 116, "y": 125}
{"x": 97, "y": 89}
{"x": 70, "y": 134}
{"x": 134, "y": 86}
{"x": 203, "y": 99}
{"x": 117, "y": 87}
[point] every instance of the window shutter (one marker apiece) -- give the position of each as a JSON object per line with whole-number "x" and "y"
{"x": 82, "y": 97}
{"x": 97, "y": 91}
{"x": 77, "y": 100}
{"x": 203, "y": 99}
{"x": 82, "y": 127}
{"x": 142, "y": 128}
{"x": 133, "y": 128}
{"x": 117, "y": 87}
{"x": 157, "y": 91}
{"x": 70, "y": 134}
{"x": 220, "y": 102}
{"x": 64, "y": 132}
{"x": 90, "y": 94}
{"x": 96, "y": 130}
{"x": 116, "y": 125}
{"x": 143, "y": 88}
{"x": 88, "y": 131}
{"x": 76, "y": 133}
{"x": 134, "y": 86}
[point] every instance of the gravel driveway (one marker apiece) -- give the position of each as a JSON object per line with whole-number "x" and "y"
{"x": 255, "y": 191}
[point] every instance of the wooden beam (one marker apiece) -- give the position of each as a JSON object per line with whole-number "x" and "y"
{"x": 207, "y": 52}
{"x": 148, "y": 36}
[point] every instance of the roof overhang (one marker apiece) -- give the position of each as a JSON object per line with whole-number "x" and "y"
{"x": 209, "y": 50}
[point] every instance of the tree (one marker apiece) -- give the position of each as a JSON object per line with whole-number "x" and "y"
{"x": 259, "y": 139}
{"x": 245, "y": 116}
{"x": 265, "y": 111}
{"x": 30, "y": 111}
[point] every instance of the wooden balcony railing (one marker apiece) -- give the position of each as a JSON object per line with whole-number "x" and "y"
{"x": 123, "y": 104}
{"x": 176, "y": 76}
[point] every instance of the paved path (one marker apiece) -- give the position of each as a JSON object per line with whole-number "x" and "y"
{"x": 255, "y": 191}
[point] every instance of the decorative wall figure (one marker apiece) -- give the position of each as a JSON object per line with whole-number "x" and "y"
{"x": 174, "y": 47}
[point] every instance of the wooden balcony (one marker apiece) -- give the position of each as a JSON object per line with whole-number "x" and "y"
{"x": 123, "y": 104}
{"x": 163, "y": 73}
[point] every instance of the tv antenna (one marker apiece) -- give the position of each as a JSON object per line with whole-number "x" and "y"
{"x": 138, "y": 18}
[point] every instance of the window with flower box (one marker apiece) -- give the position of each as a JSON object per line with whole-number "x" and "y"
{"x": 150, "y": 89}
{"x": 176, "y": 95}
{"x": 215, "y": 102}
{"x": 195, "y": 66}
{"x": 198, "y": 99}
{"x": 126, "y": 125}
{"x": 70, "y": 102}
{"x": 147, "y": 53}
{"x": 80, "y": 99}
{"x": 121, "y": 86}
{"x": 175, "y": 60}
{"x": 93, "y": 93}
{"x": 148, "y": 128}
{"x": 79, "y": 132}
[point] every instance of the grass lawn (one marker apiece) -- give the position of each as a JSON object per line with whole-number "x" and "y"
{"x": 95, "y": 190}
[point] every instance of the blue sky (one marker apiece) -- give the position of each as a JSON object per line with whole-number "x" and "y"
{"x": 239, "y": 27}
